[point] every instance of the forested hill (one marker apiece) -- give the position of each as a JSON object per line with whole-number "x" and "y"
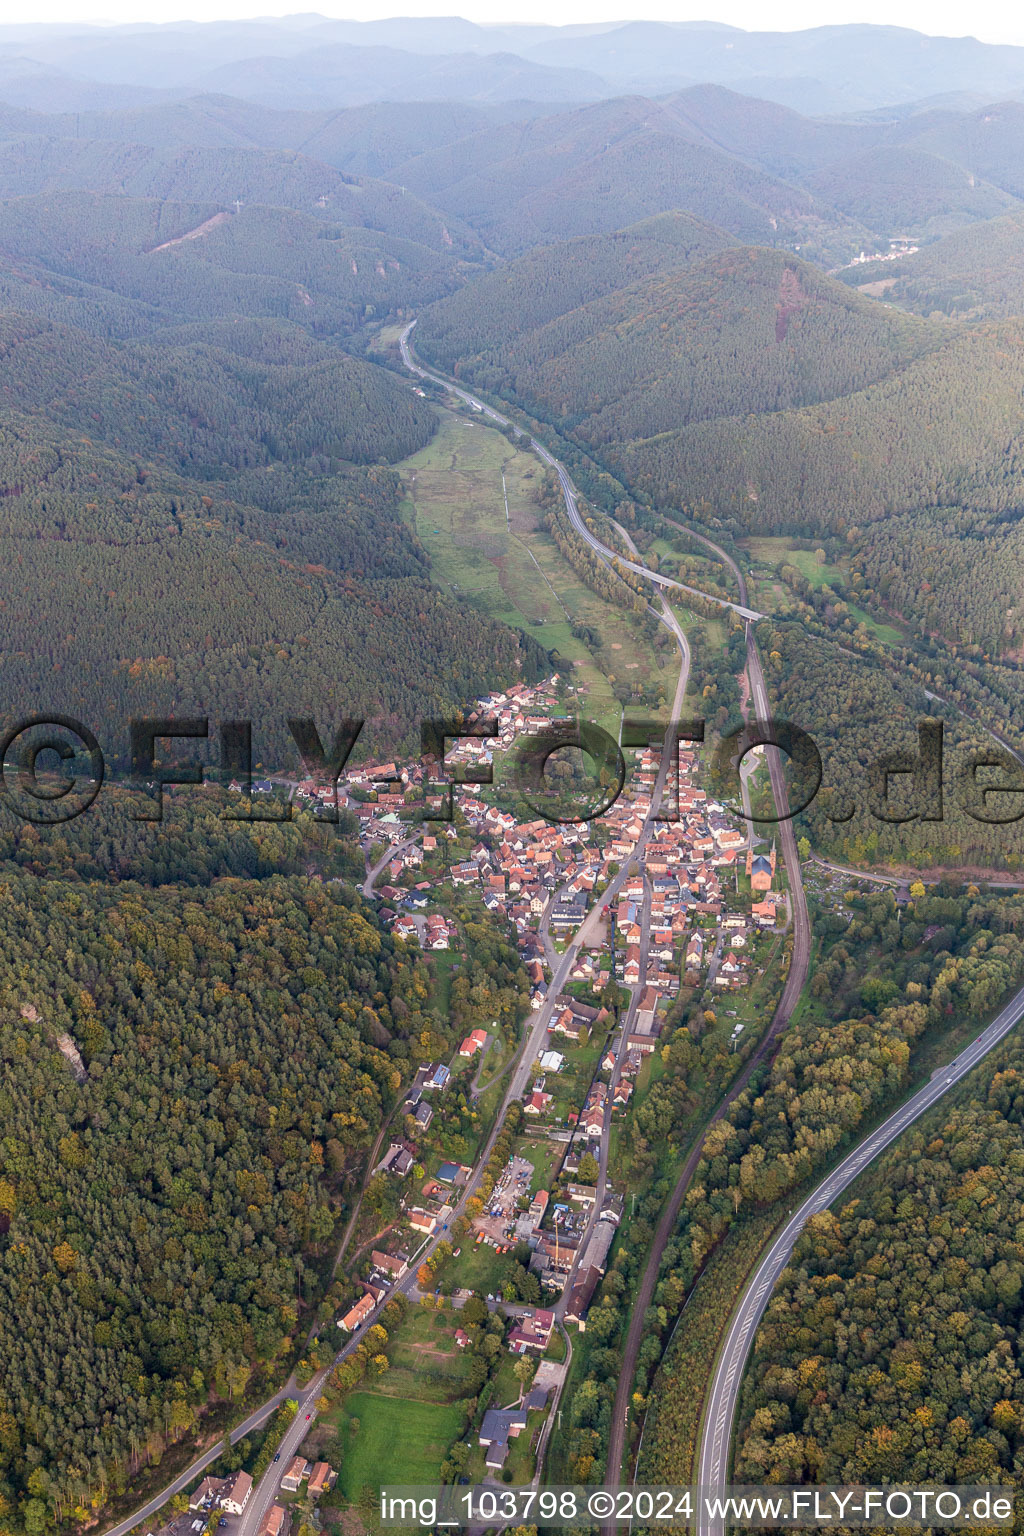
{"x": 520, "y": 174}
{"x": 159, "y": 1206}
{"x": 519, "y": 297}
{"x": 198, "y": 1045}
{"x": 743, "y": 331}
{"x": 199, "y": 260}
{"x": 248, "y": 393}
{"x": 601, "y": 167}
{"x": 946, "y": 430}
{"x": 130, "y": 591}
{"x": 896, "y": 191}
{"x": 363, "y": 141}
{"x": 279, "y": 177}
{"x": 198, "y": 512}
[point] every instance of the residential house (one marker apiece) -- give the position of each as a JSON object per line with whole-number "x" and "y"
{"x": 276, "y": 1521}
{"x": 500, "y": 1425}
{"x": 320, "y": 1479}
{"x": 298, "y": 1471}
{"x": 423, "y": 1115}
{"x": 236, "y": 1496}
{"x": 397, "y": 1159}
{"x": 356, "y": 1316}
{"x": 531, "y": 1332}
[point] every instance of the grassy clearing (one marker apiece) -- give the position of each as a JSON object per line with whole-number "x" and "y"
{"x": 782, "y": 551}
{"x": 425, "y": 1361}
{"x": 400, "y": 1426}
{"x": 478, "y": 1268}
{"x": 393, "y": 1440}
{"x": 887, "y": 633}
{"x": 507, "y": 565}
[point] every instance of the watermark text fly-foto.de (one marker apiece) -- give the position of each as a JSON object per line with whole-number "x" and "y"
{"x": 52, "y": 768}
{"x": 751, "y": 1508}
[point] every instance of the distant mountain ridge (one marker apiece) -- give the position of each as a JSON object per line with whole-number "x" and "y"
{"x": 336, "y": 63}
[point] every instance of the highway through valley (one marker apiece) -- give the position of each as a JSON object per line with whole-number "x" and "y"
{"x": 723, "y": 1397}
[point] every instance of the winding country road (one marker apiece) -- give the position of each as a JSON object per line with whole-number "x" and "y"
{"x": 569, "y": 491}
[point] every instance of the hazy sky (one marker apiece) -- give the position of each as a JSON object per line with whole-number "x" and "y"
{"x": 991, "y": 20}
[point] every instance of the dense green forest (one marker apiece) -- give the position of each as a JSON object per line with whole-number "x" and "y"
{"x": 945, "y": 430}
{"x": 891, "y": 1349}
{"x": 134, "y": 592}
{"x": 199, "y": 1043}
{"x": 237, "y": 395}
{"x": 260, "y": 260}
{"x": 860, "y": 708}
{"x": 198, "y": 512}
{"x": 278, "y": 177}
{"x": 161, "y": 1187}
{"x": 743, "y": 332}
{"x": 509, "y": 304}
{"x": 832, "y": 1074}
{"x": 601, "y": 167}
{"x": 987, "y": 141}
{"x": 362, "y": 141}
{"x": 907, "y": 191}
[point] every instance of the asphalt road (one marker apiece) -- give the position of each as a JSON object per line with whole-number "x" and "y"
{"x": 392, "y": 852}
{"x": 666, "y": 766}
{"x": 720, "y": 1412}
